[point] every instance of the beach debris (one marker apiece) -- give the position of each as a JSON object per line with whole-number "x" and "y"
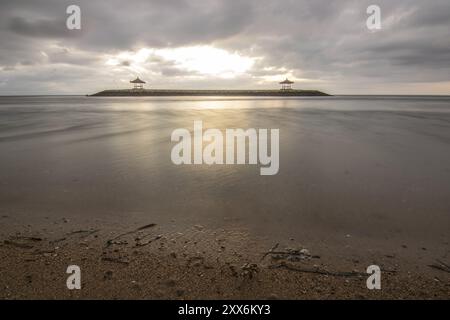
{"x": 147, "y": 226}
{"x": 118, "y": 242}
{"x": 199, "y": 227}
{"x": 108, "y": 275}
{"x": 83, "y": 233}
{"x": 150, "y": 225}
{"x": 34, "y": 239}
{"x": 233, "y": 270}
{"x": 139, "y": 242}
{"x": 136, "y": 285}
{"x": 86, "y": 232}
{"x": 195, "y": 261}
{"x": 18, "y": 244}
{"x": 270, "y": 251}
{"x": 316, "y": 270}
{"x": 179, "y": 292}
{"x": 440, "y": 265}
{"x": 22, "y": 241}
{"x": 45, "y": 252}
{"x": 249, "y": 270}
{"x": 29, "y": 278}
{"x": 120, "y": 260}
{"x": 172, "y": 282}
{"x": 290, "y": 254}
{"x": 58, "y": 240}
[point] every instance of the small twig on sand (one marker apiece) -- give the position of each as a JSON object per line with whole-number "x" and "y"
{"x": 195, "y": 261}
{"x": 89, "y": 232}
{"x": 143, "y": 244}
{"x": 290, "y": 267}
{"x": 270, "y": 251}
{"x": 115, "y": 260}
{"x": 440, "y": 265}
{"x": 34, "y": 239}
{"x": 111, "y": 241}
{"x": 18, "y": 244}
{"x": 291, "y": 254}
{"x": 443, "y": 263}
{"x": 86, "y": 232}
{"x": 58, "y": 240}
{"x": 23, "y": 242}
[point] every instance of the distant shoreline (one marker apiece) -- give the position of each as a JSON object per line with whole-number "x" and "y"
{"x": 249, "y": 93}
{"x": 328, "y": 95}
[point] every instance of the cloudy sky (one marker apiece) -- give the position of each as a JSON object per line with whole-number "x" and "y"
{"x": 320, "y": 44}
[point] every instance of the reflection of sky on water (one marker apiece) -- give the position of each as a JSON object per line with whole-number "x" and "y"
{"x": 349, "y": 164}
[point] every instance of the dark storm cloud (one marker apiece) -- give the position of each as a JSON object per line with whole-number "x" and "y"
{"x": 313, "y": 39}
{"x": 437, "y": 14}
{"x": 40, "y": 28}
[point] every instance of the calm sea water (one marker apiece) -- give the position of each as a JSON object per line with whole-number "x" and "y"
{"x": 349, "y": 164}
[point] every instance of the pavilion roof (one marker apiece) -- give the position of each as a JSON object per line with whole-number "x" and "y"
{"x": 286, "y": 82}
{"x": 137, "y": 80}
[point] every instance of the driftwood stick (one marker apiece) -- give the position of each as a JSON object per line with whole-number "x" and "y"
{"x": 143, "y": 244}
{"x": 18, "y": 244}
{"x": 115, "y": 260}
{"x": 442, "y": 266}
{"x": 86, "y": 232}
{"x": 293, "y": 253}
{"x": 89, "y": 232}
{"x": 317, "y": 271}
{"x": 270, "y": 251}
{"x": 28, "y": 238}
{"x": 443, "y": 263}
{"x": 110, "y": 241}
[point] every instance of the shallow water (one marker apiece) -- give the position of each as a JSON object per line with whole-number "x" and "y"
{"x": 374, "y": 167}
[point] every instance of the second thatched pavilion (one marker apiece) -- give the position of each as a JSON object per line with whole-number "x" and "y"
{"x": 138, "y": 83}
{"x": 286, "y": 84}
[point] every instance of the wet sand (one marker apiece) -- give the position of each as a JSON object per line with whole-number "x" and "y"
{"x": 169, "y": 262}
{"x": 362, "y": 181}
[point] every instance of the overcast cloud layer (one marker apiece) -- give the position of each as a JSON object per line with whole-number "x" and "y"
{"x": 322, "y": 44}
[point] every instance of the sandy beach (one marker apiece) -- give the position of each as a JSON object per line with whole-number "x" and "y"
{"x": 362, "y": 181}
{"x": 169, "y": 262}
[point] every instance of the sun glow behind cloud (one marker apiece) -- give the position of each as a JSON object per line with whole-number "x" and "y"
{"x": 208, "y": 60}
{"x": 201, "y": 60}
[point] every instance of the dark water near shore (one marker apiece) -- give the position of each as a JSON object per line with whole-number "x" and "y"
{"x": 374, "y": 167}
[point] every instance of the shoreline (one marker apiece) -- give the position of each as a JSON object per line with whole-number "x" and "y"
{"x": 206, "y": 93}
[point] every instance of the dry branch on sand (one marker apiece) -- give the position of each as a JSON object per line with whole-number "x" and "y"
{"x": 287, "y": 266}
{"x": 113, "y": 240}
{"x": 440, "y": 265}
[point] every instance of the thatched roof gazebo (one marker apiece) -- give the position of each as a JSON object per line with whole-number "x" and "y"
{"x": 137, "y": 83}
{"x": 286, "y": 84}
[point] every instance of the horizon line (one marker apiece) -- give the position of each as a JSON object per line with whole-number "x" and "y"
{"x": 332, "y": 95}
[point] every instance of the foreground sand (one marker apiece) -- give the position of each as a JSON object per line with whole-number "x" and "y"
{"x": 165, "y": 262}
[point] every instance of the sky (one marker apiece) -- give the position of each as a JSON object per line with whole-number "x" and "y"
{"x": 225, "y": 44}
